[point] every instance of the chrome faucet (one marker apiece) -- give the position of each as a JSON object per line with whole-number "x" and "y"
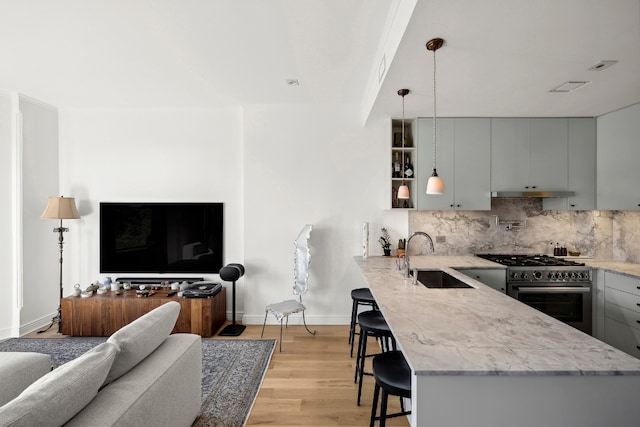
{"x": 407, "y": 268}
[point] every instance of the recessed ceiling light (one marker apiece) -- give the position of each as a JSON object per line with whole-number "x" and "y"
{"x": 602, "y": 65}
{"x": 569, "y": 86}
{"x": 293, "y": 82}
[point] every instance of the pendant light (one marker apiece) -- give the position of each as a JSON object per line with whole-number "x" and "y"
{"x": 434, "y": 185}
{"x": 403, "y": 190}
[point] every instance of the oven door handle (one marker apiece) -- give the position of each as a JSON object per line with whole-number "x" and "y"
{"x": 552, "y": 289}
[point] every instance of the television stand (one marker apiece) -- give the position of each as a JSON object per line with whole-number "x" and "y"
{"x": 102, "y": 315}
{"x": 157, "y": 280}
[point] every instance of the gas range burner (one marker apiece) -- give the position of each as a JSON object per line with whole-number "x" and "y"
{"x": 526, "y": 260}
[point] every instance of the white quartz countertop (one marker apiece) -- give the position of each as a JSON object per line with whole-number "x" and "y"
{"x": 481, "y": 331}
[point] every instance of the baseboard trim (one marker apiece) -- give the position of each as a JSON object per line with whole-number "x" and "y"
{"x": 37, "y": 324}
{"x": 296, "y": 319}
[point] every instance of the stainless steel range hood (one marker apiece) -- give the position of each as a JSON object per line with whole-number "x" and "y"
{"x": 532, "y": 193}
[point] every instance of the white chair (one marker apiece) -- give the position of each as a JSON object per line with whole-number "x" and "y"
{"x": 301, "y": 260}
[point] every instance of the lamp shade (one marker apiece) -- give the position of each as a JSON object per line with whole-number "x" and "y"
{"x": 403, "y": 191}
{"x": 60, "y": 208}
{"x": 434, "y": 184}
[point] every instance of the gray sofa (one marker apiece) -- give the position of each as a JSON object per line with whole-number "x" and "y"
{"x": 141, "y": 376}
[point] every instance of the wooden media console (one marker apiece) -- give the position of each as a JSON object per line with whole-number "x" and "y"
{"x": 102, "y": 315}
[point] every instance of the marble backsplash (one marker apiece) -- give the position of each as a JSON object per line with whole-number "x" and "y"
{"x": 598, "y": 234}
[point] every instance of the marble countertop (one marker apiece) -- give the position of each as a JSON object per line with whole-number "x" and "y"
{"x": 481, "y": 331}
{"x": 627, "y": 268}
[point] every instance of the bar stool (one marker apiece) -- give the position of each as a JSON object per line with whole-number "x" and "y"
{"x": 359, "y": 296}
{"x": 372, "y": 324}
{"x": 393, "y": 376}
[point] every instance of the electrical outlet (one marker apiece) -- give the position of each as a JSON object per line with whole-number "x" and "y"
{"x": 441, "y": 239}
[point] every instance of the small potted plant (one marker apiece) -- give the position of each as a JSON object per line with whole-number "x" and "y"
{"x": 385, "y": 241}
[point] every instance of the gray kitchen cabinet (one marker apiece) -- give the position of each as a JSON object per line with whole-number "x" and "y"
{"x": 463, "y": 163}
{"x": 598, "y": 304}
{"x": 509, "y": 154}
{"x": 622, "y": 312}
{"x": 581, "y": 167}
{"x": 529, "y": 154}
{"x": 618, "y": 151}
{"x": 493, "y": 277}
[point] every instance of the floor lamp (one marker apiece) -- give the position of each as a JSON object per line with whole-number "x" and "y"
{"x": 60, "y": 208}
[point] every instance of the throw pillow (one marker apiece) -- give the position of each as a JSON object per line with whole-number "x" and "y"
{"x": 56, "y": 397}
{"x": 141, "y": 337}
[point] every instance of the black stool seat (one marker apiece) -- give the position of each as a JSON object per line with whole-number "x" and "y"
{"x": 372, "y": 324}
{"x": 373, "y": 321}
{"x": 359, "y": 296}
{"x": 392, "y": 373}
{"x": 393, "y": 376}
{"x": 362, "y": 295}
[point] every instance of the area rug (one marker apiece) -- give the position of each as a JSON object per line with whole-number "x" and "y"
{"x": 232, "y": 371}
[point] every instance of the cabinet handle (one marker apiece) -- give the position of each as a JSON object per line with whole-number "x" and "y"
{"x": 450, "y": 206}
{"x": 457, "y": 206}
{"x": 637, "y": 321}
{"x": 533, "y": 186}
{"x": 573, "y": 206}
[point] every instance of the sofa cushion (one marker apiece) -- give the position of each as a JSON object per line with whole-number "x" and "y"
{"x": 18, "y": 370}
{"x": 141, "y": 337}
{"x": 56, "y": 397}
{"x": 162, "y": 390}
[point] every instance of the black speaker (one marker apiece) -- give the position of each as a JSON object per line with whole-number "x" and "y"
{"x": 231, "y": 273}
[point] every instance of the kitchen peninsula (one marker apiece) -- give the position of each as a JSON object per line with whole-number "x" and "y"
{"x": 482, "y": 358}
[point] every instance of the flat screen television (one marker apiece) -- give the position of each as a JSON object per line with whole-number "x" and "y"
{"x": 161, "y": 237}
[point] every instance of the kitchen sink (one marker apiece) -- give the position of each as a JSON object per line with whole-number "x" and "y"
{"x": 440, "y": 280}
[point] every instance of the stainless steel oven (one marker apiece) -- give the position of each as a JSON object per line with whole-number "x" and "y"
{"x": 559, "y": 288}
{"x": 568, "y": 302}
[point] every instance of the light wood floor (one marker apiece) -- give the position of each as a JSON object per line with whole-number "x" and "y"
{"x": 310, "y": 383}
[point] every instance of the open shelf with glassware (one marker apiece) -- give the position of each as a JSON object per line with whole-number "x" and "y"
{"x": 403, "y": 163}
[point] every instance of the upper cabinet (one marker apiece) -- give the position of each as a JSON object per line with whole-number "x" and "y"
{"x": 403, "y": 163}
{"x": 529, "y": 154}
{"x": 463, "y": 159}
{"x": 581, "y": 167}
{"x": 618, "y": 151}
{"x": 477, "y": 156}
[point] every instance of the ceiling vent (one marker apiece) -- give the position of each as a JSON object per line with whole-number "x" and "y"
{"x": 602, "y": 65}
{"x": 570, "y": 86}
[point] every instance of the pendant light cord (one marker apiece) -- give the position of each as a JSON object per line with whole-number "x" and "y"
{"x": 434, "y": 109}
{"x": 402, "y": 170}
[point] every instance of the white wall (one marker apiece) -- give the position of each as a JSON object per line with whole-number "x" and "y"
{"x": 39, "y": 180}
{"x": 28, "y": 248}
{"x": 316, "y": 165}
{"x": 159, "y": 155}
{"x": 276, "y": 168}
{"x": 7, "y": 261}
